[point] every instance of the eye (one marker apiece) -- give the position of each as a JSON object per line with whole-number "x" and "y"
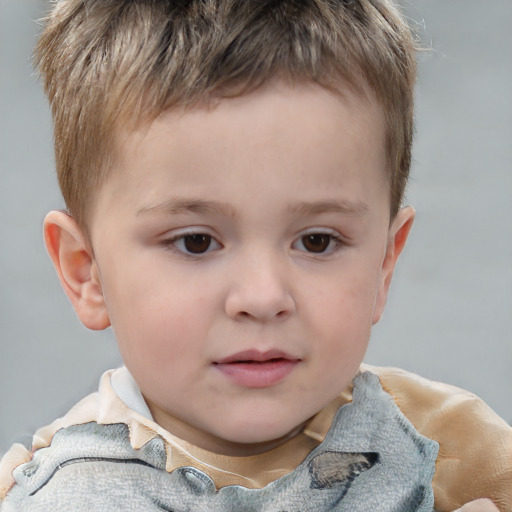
{"x": 196, "y": 244}
{"x": 318, "y": 243}
{"x": 193, "y": 243}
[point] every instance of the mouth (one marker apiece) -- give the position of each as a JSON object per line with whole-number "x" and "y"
{"x": 255, "y": 369}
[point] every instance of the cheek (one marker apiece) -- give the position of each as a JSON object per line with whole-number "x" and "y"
{"x": 341, "y": 318}
{"x": 346, "y": 302}
{"x": 158, "y": 319}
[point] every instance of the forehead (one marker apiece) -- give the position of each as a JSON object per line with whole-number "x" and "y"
{"x": 313, "y": 112}
{"x": 289, "y": 132}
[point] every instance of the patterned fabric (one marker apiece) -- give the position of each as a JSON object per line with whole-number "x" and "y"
{"x": 372, "y": 459}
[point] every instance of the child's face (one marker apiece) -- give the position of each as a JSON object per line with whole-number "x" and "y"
{"x": 243, "y": 253}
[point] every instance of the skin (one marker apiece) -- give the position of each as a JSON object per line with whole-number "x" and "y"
{"x": 255, "y": 176}
{"x": 482, "y": 505}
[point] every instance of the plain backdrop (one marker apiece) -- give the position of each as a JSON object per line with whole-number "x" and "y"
{"x": 449, "y": 311}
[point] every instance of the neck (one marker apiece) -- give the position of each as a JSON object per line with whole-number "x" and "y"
{"x": 212, "y": 443}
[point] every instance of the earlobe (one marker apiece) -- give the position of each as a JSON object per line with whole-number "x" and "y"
{"x": 398, "y": 233}
{"x": 76, "y": 268}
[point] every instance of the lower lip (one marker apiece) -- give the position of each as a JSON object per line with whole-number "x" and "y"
{"x": 255, "y": 374}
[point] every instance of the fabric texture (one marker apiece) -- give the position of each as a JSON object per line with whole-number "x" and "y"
{"x": 475, "y": 456}
{"x": 374, "y": 446}
{"x": 371, "y": 459}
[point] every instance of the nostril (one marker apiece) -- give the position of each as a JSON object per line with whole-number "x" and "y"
{"x": 245, "y": 314}
{"x": 263, "y": 304}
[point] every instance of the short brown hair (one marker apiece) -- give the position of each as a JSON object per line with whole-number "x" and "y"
{"x": 112, "y": 63}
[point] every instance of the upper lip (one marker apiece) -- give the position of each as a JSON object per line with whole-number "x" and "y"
{"x": 256, "y": 355}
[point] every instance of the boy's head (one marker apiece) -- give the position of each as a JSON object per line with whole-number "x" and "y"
{"x": 108, "y": 66}
{"x": 242, "y": 246}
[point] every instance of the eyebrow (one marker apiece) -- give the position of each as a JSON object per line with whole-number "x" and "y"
{"x": 178, "y": 205}
{"x": 344, "y": 206}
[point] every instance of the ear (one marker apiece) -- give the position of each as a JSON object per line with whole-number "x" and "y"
{"x": 77, "y": 269}
{"x": 397, "y": 236}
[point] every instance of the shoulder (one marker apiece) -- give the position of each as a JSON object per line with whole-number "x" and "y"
{"x": 83, "y": 412}
{"x": 475, "y": 444}
{"x": 70, "y": 459}
{"x": 84, "y": 468}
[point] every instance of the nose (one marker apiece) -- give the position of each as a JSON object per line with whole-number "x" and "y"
{"x": 259, "y": 290}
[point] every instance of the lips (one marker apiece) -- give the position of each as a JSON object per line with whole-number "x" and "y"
{"x": 255, "y": 369}
{"x": 256, "y": 356}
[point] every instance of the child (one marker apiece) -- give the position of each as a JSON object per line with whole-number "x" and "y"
{"x": 234, "y": 173}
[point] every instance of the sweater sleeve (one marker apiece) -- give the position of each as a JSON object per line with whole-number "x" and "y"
{"x": 475, "y": 444}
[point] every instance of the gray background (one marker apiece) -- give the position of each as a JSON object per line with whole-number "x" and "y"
{"x": 449, "y": 310}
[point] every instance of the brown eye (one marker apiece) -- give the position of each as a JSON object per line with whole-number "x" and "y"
{"x": 197, "y": 244}
{"x": 316, "y": 242}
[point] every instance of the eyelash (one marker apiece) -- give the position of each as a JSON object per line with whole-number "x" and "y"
{"x": 171, "y": 243}
{"x": 335, "y": 242}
